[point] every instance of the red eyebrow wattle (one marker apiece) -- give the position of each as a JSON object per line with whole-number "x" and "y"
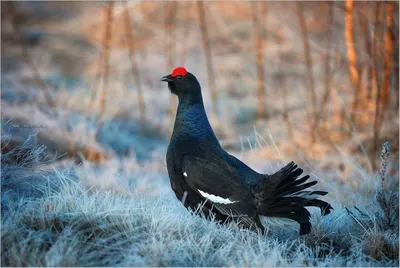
{"x": 179, "y": 71}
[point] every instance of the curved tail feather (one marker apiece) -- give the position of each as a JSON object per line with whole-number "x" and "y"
{"x": 282, "y": 195}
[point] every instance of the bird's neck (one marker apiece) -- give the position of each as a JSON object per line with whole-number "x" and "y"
{"x": 191, "y": 120}
{"x": 190, "y": 100}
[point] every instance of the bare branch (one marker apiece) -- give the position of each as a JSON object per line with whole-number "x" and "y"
{"x": 27, "y": 58}
{"x": 106, "y": 66}
{"x": 135, "y": 70}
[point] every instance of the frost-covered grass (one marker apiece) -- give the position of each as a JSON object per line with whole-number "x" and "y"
{"x": 71, "y": 225}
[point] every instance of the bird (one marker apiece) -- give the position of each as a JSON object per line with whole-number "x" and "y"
{"x": 207, "y": 179}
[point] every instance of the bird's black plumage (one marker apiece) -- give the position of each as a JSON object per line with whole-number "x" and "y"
{"x": 204, "y": 176}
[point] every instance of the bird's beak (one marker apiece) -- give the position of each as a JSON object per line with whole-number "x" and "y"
{"x": 167, "y": 78}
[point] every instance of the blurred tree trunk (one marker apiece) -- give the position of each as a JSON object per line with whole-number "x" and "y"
{"x": 382, "y": 100}
{"x": 352, "y": 58}
{"x": 170, "y": 47}
{"x": 208, "y": 56}
{"x": 17, "y": 35}
{"x": 343, "y": 119}
{"x": 379, "y": 26}
{"x": 106, "y": 67}
{"x": 388, "y": 54}
{"x": 100, "y": 69}
{"x": 93, "y": 89}
{"x": 364, "y": 24}
{"x": 258, "y": 51}
{"x": 186, "y": 32}
{"x": 327, "y": 69}
{"x": 135, "y": 70}
{"x": 282, "y": 82}
{"x": 395, "y": 36}
{"x": 309, "y": 66}
{"x": 376, "y": 45}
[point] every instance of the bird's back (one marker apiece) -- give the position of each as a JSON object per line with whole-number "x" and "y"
{"x": 249, "y": 176}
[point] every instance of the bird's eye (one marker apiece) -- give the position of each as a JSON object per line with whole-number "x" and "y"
{"x": 179, "y": 77}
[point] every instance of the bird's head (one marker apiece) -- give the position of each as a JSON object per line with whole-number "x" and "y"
{"x": 182, "y": 83}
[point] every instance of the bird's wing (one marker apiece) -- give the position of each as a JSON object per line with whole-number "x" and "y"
{"x": 218, "y": 182}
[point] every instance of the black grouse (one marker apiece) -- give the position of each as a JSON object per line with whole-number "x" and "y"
{"x": 205, "y": 177}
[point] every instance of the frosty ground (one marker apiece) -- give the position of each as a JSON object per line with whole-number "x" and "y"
{"x": 50, "y": 219}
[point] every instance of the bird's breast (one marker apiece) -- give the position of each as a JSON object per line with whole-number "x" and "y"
{"x": 192, "y": 125}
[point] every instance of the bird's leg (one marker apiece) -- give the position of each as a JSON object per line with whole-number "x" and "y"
{"x": 259, "y": 225}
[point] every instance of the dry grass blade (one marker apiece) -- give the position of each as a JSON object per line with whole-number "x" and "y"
{"x": 389, "y": 204}
{"x": 385, "y": 153}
